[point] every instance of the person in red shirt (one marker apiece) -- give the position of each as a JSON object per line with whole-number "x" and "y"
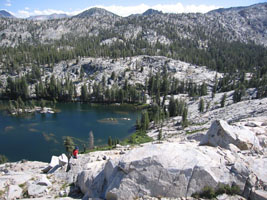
{"x": 75, "y": 152}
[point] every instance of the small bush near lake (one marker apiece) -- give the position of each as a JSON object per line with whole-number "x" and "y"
{"x": 3, "y": 159}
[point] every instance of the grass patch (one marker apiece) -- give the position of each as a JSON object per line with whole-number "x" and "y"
{"x": 138, "y": 137}
{"x": 98, "y": 148}
{"x": 197, "y": 124}
{"x": 23, "y": 186}
{"x": 209, "y": 193}
{"x": 2, "y": 192}
{"x": 195, "y": 131}
{"x": 64, "y": 186}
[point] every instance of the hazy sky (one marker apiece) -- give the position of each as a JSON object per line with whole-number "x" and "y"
{"x": 26, "y": 8}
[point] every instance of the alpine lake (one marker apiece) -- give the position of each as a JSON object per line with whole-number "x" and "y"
{"x": 38, "y": 136}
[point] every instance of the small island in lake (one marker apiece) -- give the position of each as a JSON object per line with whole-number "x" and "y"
{"x": 17, "y": 111}
{"x": 108, "y": 120}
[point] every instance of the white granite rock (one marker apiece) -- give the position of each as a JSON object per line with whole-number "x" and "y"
{"x": 222, "y": 134}
{"x": 259, "y": 195}
{"x": 168, "y": 169}
{"x": 36, "y": 190}
{"x": 43, "y": 181}
{"x": 14, "y": 192}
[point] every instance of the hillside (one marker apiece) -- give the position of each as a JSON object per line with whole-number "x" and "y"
{"x": 180, "y": 165}
{"x": 243, "y": 24}
{"x": 200, "y": 79}
{"x": 5, "y": 14}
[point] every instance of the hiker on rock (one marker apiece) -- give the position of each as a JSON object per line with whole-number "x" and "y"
{"x": 75, "y": 152}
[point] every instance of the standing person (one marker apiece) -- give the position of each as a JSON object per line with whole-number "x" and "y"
{"x": 75, "y": 152}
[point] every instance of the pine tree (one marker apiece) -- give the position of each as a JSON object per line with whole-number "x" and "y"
{"x": 109, "y": 141}
{"x": 21, "y": 103}
{"x": 138, "y": 123}
{"x": 223, "y": 100}
{"x": 113, "y": 76}
{"x": 172, "y": 107}
{"x": 91, "y": 140}
{"x": 24, "y": 88}
{"x": 203, "y": 89}
{"x": 214, "y": 89}
{"x": 184, "y": 117}
{"x": 144, "y": 120}
{"x": 201, "y": 105}
{"x": 160, "y": 135}
{"x": 84, "y": 93}
{"x": 103, "y": 81}
{"x": 207, "y": 106}
{"x": 69, "y": 145}
{"x": 239, "y": 93}
{"x": 81, "y": 73}
{"x": 42, "y": 103}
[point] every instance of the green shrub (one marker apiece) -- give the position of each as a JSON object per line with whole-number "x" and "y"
{"x": 3, "y": 159}
{"x": 209, "y": 193}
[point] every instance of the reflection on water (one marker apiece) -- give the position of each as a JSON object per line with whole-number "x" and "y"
{"x": 39, "y": 136}
{"x": 50, "y": 137}
{"x": 9, "y": 128}
{"x": 33, "y": 130}
{"x": 122, "y": 112}
{"x": 33, "y": 124}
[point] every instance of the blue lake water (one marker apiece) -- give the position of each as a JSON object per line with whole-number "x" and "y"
{"x": 39, "y": 136}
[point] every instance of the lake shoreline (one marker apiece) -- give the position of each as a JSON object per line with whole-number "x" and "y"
{"x": 44, "y": 132}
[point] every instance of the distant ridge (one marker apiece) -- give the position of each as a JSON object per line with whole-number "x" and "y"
{"x": 48, "y": 17}
{"x": 5, "y": 14}
{"x": 221, "y": 10}
{"x": 95, "y": 12}
{"x": 151, "y": 12}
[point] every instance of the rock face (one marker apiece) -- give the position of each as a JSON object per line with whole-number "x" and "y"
{"x": 221, "y": 134}
{"x": 180, "y": 169}
{"x": 165, "y": 170}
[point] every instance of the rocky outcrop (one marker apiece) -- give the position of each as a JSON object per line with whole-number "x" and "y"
{"x": 26, "y": 179}
{"x": 223, "y": 135}
{"x": 179, "y": 169}
{"x": 125, "y": 68}
{"x": 55, "y": 163}
{"x": 171, "y": 169}
{"x": 165, "y": 170}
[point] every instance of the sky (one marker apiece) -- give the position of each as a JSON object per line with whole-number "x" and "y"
{"x": 26, "y": 8}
